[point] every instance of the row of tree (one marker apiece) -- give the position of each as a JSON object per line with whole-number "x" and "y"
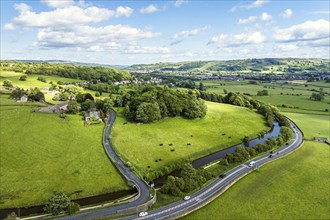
{"x": 102, "y": 74}
{"x": 190, "y": 179}
{"x": 244, "y": 153}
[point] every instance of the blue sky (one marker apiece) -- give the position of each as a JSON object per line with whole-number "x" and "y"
{"x": 132, "y": 32}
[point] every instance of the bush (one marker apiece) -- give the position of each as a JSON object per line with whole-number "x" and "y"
{"x": 23, "y": 78}
{"x": 57, "y": 204}
{"x": 262, "y": 93}
{"x": 7, "y": 83}
{"x": 42, "y": 79}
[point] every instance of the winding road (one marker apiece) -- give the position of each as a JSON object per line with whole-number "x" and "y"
{"x": 198, "y": 199}
{"x": 143, "y": 190}
{"x": 211, "y": 191}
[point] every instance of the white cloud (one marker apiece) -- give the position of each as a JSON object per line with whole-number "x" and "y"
{"x": 266, "y": 17}
{"x": 238, "y": 39}
{"x": 110, "y": 36}
{"x": 325, "y": 42}
{"x": 180, "y": 36}
{"x": 64, "y": 17}
{"x": 123, "y": 11}
{"x": 313, "y": 33}
{"x": 287, "y": 47}
{"x": 178, "y": 3}
{"x": 149, "y": 9}
{"x": 58, "y": 3}
{"x": 250, "y": 19}
{"x": 190, "y": 33}
{"x": 287, "y": 13}
{"x": 255, "y": 4}
{"x": 218, "y": 38}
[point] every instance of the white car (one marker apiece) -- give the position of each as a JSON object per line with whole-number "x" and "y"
{"x": 252, "y": 163}
{"x": 142, "y": 214}
{"x": 186, "y": 198}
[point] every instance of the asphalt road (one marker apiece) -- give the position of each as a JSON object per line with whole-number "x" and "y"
{"x": 219, "y": 185}
{"x": 179, "y": 207}
{"x": 141, "y": 186}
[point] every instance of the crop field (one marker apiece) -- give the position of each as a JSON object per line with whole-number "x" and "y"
{"x": 294, "y": 187}
{"x": 173, "y": 139}
{"x": 42, "y": 153}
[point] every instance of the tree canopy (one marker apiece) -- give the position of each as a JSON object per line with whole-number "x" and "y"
{"x": 151, "y": 103}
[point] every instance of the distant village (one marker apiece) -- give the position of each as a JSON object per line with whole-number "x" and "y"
{"x": 157, "y": 75}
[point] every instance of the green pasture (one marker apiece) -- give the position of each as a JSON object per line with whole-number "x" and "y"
{"x": 42, "y": 153}
{"x": 295, "y": 96}
{"x": 294, "y": 187}
{"x": 31, "y": 80}
{"x": 223, "y": 126}
{"x": 300, "y": 102}
{"x": 311, "y": 124}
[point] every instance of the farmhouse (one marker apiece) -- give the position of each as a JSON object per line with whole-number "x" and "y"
{"x": 92, "y": 115}
{"x": 24, "y": 98}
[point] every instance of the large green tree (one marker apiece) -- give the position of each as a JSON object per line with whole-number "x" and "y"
{"x": 148, "y": 112}
{"x": 73, "y": 107}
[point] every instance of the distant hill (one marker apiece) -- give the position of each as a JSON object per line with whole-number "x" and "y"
{"x": 72, "y": 62}
{"x": 262, "y": 66}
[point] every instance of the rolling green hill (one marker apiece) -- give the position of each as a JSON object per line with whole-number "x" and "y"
{"x": 262, "y": 66}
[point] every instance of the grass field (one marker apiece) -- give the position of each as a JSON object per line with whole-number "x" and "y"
{"x": 32, "y": 80}
{"x": 312, "y": 125}
{"x": 42, "y": 153}
{"x": 291, "y": 95}
{"x": 140, "y": 143}
{"x": 295, "y": 187}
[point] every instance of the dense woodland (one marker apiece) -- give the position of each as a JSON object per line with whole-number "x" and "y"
{"x": 151, "y": 103}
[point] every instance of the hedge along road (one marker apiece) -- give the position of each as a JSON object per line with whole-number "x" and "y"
{"x": 143, "y": 191}
{"x": 218, "y": 186}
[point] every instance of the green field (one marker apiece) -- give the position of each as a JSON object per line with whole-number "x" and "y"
{"x": 140, "y": 143}
{"x": 294, "y": 187}
{"x": 32, "y": 80}
{"x": 312, "y": 125}
{"x": 295, "y": 97}
{"x": 42, "y": 153}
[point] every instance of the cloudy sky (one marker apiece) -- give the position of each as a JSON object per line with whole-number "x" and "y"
{"x": 131, "y": 32}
